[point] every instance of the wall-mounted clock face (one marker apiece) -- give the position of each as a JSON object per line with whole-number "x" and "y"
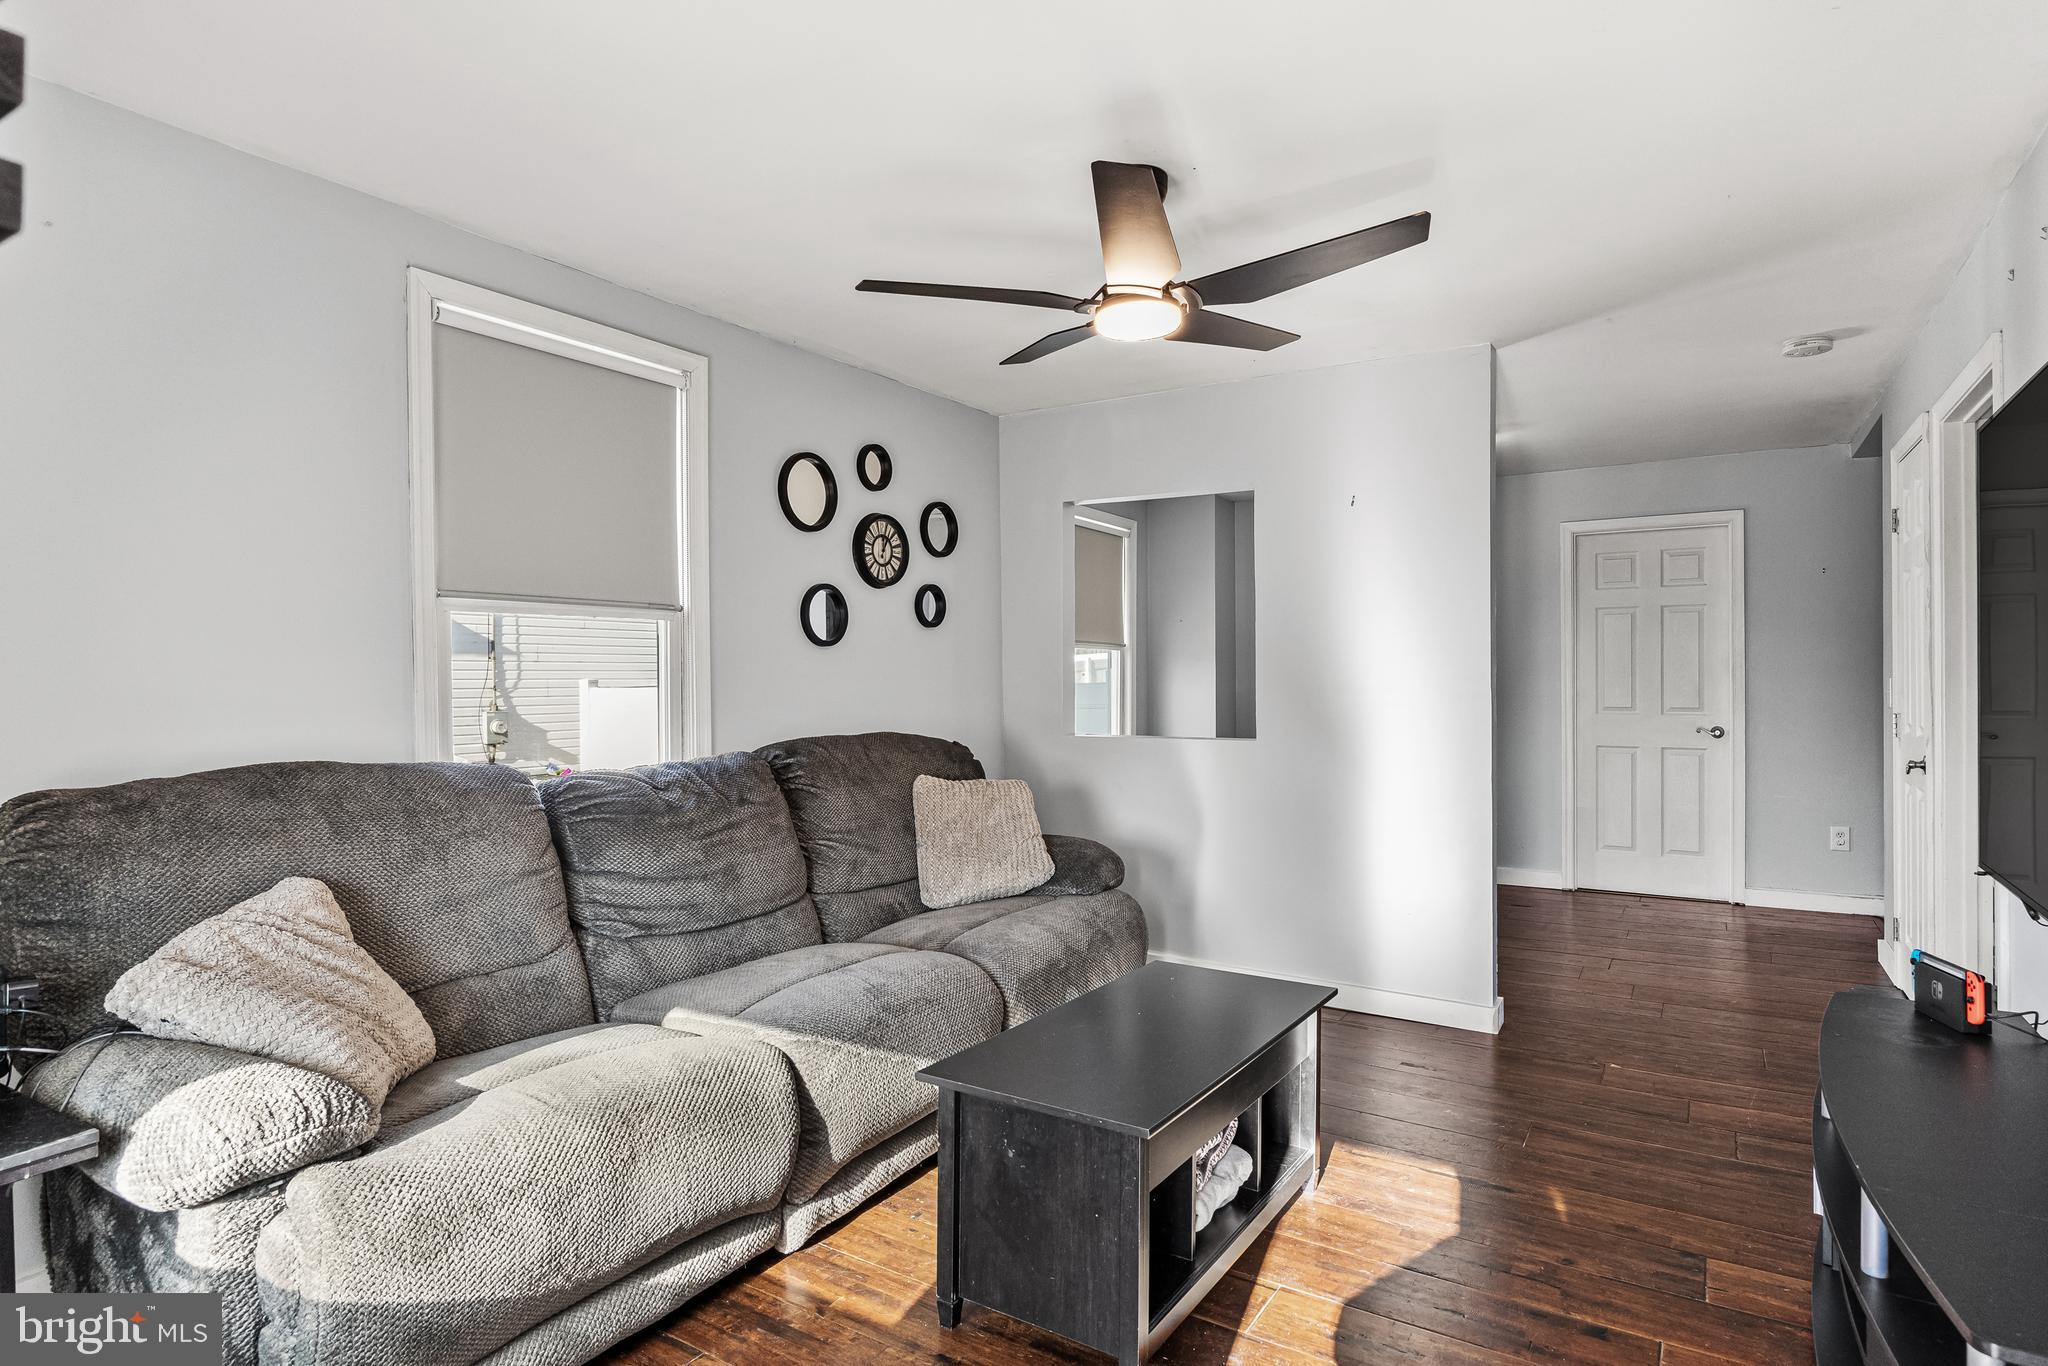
{"x": 881, "y": 552}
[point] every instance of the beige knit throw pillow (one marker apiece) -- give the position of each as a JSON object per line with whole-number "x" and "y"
{"x": 282, "y": 977}
{"x": 976, "y": 839}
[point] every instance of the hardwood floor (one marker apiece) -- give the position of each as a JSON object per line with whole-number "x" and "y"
{"x": 1619, "y": 1177}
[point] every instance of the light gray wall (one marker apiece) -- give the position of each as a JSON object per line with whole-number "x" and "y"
{"x": 1178, "y": 674}
{"x": 1812, "y": 612}
{"x": 1223, "y": 531}
{"x": 1244, "y": 585}
{"x": 203, "y": 462}
{"x": 2002, "y": 288}
{"x": 1352, "y": 841}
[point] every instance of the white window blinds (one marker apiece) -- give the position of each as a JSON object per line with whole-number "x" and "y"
{"x": 555, "y": 478}
{"x": 1098, "y": 587}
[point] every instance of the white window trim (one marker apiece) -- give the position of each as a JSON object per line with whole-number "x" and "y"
{"x": 1125, "y": 530}
{"x": 686, "y": 637}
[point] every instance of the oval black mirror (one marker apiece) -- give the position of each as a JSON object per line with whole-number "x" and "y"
{"x": 823, "y": 614}
{"x": 873, "y": 467}
{"x": 939, "y": 529}
{"x": 808, "y": 492}
{"x": 930, "y": 605}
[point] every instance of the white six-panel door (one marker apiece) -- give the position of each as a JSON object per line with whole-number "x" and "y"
{"x": 1655, "y": 710}
{"x": 1913, "y": 674}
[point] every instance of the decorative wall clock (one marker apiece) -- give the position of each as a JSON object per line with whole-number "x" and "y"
{"x": 881, "y": 552}
{"x": 874, "y": 467}
{"x": 939, "y": 529}
{"x": 823, "y": 614}
{"x": 930, "y": 605}
{"x": 807, "y": 491}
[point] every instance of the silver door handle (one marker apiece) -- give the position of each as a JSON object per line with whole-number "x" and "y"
{"x": 1916, "y": 765}
{"x": 1716, "y": 731}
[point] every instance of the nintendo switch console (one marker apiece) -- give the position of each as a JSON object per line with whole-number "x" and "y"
{"x": 1961, "y": 999}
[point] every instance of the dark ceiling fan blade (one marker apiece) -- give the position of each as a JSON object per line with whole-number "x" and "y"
{"x": 1220, "y": 329}
{"x": 1030, "y": 298}
{"x": 1277, "y": 274}
{"x": 1137, "y": 242}
{"x": 1045, "y": 346}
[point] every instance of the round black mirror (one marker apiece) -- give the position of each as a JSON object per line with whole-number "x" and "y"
{"x": 939, "y": 529}
{"x": 930, "y": 605}
{"x": 808, "y": 492}
{"x": 872, "y": 464}
{"x": 881, "y": 552}
{"x": 823, "y": 614}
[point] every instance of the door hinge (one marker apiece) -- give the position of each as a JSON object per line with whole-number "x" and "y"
{"x": 1895, "y": 725}
{"x": 1895, "y": 929}
{"x": 1895, "y": 520}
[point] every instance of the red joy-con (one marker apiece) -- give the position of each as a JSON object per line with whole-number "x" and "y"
{"x": 1973, "y": 998}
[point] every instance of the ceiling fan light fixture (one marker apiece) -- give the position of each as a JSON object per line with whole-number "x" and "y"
{"x": 1134, "y": 316}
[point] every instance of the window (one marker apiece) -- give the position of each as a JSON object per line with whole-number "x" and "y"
{"x": 1103, "y": 622}
{"x": 558, "y": 519}
{"x": 546, "y": 692}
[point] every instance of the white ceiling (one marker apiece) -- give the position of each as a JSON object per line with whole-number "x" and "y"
{"x": 1636, "y": 202}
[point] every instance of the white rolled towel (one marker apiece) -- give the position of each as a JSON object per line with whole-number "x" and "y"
{"x": 1232, "y": 1171}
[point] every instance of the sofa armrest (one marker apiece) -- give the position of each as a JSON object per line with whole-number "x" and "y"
{"x": 1080, "y": 866}
{"x": 185, "y": 1123}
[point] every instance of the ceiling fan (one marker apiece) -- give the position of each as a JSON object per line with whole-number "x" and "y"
{"x": 1142, "y": 300}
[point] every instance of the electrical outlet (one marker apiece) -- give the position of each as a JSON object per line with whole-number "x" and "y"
{"x": 1838, "y": 839}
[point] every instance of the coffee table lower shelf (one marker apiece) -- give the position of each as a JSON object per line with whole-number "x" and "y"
{"x": 1231, "y": 1230}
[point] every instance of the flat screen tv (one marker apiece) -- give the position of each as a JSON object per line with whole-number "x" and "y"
{"x": 2012, "y": 645}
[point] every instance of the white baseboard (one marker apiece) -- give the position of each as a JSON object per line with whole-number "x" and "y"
{"x": 1833, "y": 903}
{"x": 36, "y": 1282}
{"x": 1778, "y": 898}
{"x": 1400, "y": 1005}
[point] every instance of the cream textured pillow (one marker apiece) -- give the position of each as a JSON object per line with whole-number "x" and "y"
{"x": 281, "y": 976}
{"x": 976, "y": 839}
{"x": 185, "y": 1123}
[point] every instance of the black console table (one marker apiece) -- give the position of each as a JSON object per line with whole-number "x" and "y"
{"x": 1930, "y": 1167}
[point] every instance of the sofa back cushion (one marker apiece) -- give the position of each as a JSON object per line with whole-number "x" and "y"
{"x": 850, "y": 797}
{"x": 676, "y": 870}
{"x": 445, "y": 872}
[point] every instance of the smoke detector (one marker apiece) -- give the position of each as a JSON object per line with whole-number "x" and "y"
{"x": 1797, "y": 347}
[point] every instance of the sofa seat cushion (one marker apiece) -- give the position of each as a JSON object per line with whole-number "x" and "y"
{"x": 1040, "y": 950}
{"x": 851, "y": 1097}
{"x": 924, "y": 1005}
{"x": 544, "y": 1188}
{"x": 442, "y": 1088}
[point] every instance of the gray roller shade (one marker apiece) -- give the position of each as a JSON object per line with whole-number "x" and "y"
{"x": 1098, "y": 587}
{"x": 555, "y": 478}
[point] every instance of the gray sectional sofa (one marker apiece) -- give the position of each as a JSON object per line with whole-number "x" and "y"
{"x": 679, "y": 1010}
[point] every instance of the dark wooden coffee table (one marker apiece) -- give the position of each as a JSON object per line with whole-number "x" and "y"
{"x": 1066, "y": 1179}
